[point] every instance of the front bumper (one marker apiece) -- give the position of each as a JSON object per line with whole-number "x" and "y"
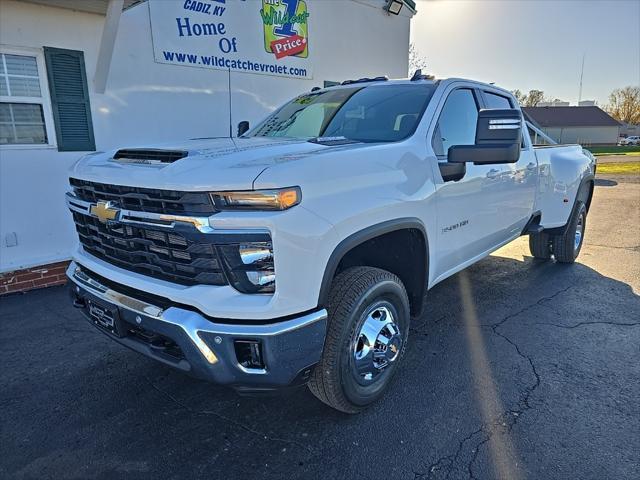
{"x": 201, "y": 346}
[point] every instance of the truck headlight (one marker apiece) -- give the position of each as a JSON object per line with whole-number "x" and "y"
{"x": 275, "y": 199}
{"x": 250, "y": 266}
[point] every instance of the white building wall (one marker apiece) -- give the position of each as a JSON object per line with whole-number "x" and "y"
{"x": 147, "y": 102}
{"x": 584, "y": 135}
{"x": 33, "y": 179}
{"x": 629, "y": 129}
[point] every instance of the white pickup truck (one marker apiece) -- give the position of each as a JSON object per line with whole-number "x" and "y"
{"x": 299, "y": 251}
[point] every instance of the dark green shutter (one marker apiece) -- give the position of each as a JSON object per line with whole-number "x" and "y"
{"x": 69, "y": 99}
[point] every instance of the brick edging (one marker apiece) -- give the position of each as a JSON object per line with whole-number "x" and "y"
{"x": 35, "y": 277}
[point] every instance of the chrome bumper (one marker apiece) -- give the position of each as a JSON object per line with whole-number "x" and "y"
{"x": 290, "y": 347}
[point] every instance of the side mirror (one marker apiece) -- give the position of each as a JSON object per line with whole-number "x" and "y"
{"x": 498, "y": 139}
{"x": 243, "y": 127}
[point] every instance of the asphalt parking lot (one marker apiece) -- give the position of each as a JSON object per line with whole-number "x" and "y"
{"x": 518, "y": 369}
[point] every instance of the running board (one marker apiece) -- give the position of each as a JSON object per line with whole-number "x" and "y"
{"x": 533, "y": 226}
{"x": 535, "y": 229}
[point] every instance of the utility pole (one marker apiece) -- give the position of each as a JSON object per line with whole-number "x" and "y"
{"x": 581, "y": 75}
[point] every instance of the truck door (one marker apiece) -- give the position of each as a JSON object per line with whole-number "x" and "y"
{"x": 519, "y": 180}
{"x": 470, "y": 220}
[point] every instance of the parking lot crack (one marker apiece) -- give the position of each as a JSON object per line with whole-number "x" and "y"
{"x": 582, "y": 324}
{"x": 634, "y": 248}
{"x": 503, "y": 423}
{"x": 420, "y": 329}
{"x": 447, "y": 462}
{"x": 528, "y": 307}
{"x": 509, "y": 418}
{"x": 226, "y": 419}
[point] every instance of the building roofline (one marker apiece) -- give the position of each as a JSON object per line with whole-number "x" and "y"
{"x": 98, "y": 7}
{"x": 571, "y": 116}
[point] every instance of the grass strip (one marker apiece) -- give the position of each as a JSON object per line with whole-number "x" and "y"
{"x": 614, "y": 150}
{"x": 619, "y": 168}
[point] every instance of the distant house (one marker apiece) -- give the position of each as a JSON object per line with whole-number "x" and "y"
{"x": 586, "y": 125}
{"x": 629, "y": 130}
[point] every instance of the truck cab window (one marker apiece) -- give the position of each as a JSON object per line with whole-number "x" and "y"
{"x": 493, "y": 101}
{"x": 457, "y": 122}
{"x": 496, "y": 101}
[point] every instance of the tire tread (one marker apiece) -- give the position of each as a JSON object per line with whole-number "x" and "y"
{"x": 563, "y": 245}
{"x": 346, "y": 290}
{"x": 540, "y": 245}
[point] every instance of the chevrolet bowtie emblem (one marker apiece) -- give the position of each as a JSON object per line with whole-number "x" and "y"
{"x": 105, "y": 211}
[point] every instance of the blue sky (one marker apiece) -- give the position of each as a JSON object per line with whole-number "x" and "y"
{"x": 533, "y": 44}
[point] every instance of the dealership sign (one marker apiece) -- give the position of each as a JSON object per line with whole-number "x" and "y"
{"x": 269, "y": 37}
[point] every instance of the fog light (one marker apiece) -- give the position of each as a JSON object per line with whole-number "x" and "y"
{"x": 254, "y": 253}
{"x": 250, "y": 266}
{"x": 249, "y": 354}
{"x": 261, "y": 278}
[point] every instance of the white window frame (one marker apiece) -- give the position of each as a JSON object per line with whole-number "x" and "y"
{"x": 44, "y": 99}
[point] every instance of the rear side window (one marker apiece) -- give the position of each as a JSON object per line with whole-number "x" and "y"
{"x": 496, "y": 101}
{"x": 493, "y": 101}
{"x": 457, "y": 122}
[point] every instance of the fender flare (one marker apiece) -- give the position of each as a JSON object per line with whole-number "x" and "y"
{"x": 590, "y": 178}
{"x": 362, "y": 236}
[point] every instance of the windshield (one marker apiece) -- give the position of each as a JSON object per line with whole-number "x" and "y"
{"x": 378, "y": 113}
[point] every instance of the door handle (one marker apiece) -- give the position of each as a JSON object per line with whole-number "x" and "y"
{"x": 531, "y": 166}
{"x": 493, "y": 173}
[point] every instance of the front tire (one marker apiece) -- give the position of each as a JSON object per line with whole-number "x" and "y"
{"x": 366, "y": 338}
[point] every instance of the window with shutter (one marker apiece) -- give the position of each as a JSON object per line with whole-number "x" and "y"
{"x": 69, "y": 99}
{"x": 22, "y": 106}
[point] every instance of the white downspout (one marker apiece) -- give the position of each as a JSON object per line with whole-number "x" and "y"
{"x": 107, "y": 42}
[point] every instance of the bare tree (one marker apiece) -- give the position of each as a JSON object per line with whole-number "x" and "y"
{"x": 521, "y": 97}
{"x": 416, "y": 60}
{"x": 624, "y": 105}
{"x": 531, "y": 99}
{"x": 534, "y": 98}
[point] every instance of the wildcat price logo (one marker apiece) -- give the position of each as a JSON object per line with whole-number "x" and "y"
{"x": 286, "y": 28}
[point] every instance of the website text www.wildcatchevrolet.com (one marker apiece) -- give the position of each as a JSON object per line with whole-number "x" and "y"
{"x": 233, "y": 64}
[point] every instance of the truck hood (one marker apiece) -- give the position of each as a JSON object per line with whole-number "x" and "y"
{"x": 220, "y": 163}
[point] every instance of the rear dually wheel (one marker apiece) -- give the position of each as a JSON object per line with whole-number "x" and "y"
{"x": 566, "y": 247}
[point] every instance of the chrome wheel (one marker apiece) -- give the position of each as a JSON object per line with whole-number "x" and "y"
{"x": 377, "y": 345}
{"x": 579, "y": 231}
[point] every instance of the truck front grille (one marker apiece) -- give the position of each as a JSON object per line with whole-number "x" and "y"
{"x": 145, "y": 199}
{"x": 160, "y": 254}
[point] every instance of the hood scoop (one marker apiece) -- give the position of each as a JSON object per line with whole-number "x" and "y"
{"x": 148, "y": 156}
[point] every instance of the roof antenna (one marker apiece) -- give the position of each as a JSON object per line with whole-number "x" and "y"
{"x": 581, "y": 75}
{"x": 418, "y": 75}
